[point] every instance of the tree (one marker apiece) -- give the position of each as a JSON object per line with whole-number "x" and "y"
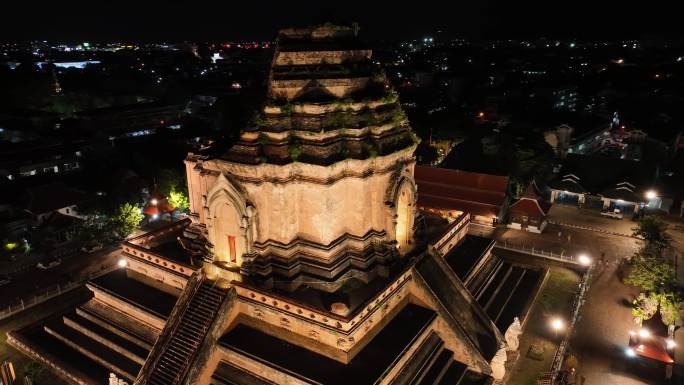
{"x": 645, "y": 306}
{"x": 651, "y": 272}
{"x": 652, "y": 229}
{"x": 34, "y": 371}
{"x": 178, "y": 200}
{"x": 171, "y": 180}
{"x": 670, "y": 305}
{"x": 93, "y": 229}
{"x": 126, "y": 219}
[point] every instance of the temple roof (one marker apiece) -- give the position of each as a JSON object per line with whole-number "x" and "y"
{"x": 475, "y": 193}
{"x": 605, "y": 176}
{"x": 531, "y": 203}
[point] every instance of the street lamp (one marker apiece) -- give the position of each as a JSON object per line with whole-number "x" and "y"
{"x": 650, "y": 195}
{"x": 556, "y": 325}
{"x": 584, "y": 260}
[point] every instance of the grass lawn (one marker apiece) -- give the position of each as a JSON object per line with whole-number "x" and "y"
{"x": 20, "y": 320}
{"x": 555, "y": 300}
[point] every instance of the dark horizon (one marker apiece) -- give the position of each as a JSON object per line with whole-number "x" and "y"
{"x": 158, "y": 20}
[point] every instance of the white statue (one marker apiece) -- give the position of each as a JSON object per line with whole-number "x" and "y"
{"x": 498, "y": 363}
{"x": 512, "y": 335}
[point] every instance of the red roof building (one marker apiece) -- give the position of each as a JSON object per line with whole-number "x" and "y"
{"x": 453, "y": 192}
{"x": 157, "y": 206}
{"x": 529, "y": 212}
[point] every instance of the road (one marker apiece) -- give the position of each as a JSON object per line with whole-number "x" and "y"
{"x": 31, "y": 281}
{"x": 602, "y": 333}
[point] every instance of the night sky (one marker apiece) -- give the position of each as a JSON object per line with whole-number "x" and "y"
{"x": 154, "y": 20}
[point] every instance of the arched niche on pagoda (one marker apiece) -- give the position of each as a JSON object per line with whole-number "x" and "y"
{"x": 230, "y": 220}
{"x": 402, "y": 207}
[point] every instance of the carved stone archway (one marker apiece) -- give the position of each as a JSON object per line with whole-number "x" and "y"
{"x": 230, "y": 220}
{"x": 401, "y": 202}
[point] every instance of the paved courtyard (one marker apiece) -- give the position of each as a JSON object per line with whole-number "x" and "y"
{"x": 602, "y": 332}
{"x": 590, "y": 218}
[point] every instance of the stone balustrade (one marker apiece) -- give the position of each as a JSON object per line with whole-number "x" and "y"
{"x": 144, "y": 254}
{"x": 340, "y": 332}
{"x": 457, "y": 230}
{"x": 54, "y": 363}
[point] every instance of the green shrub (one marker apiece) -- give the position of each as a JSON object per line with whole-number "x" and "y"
{"x": 295, "y": 150}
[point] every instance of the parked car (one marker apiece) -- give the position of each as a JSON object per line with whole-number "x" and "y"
{"x": 5, "y": 279}
{"x": 49, "y": 263}
{"x": 615, "y": 214}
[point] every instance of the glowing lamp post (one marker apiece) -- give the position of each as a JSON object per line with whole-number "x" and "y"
{"x": 556, "y": 325}
{"x": 584, "y": 260}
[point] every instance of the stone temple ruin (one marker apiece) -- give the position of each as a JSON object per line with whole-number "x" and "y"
{"x": 302, "y": 261}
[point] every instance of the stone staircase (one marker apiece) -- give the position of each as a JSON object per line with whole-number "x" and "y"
{"x": 184, "y": 335}
{"x": 433, "y": 364}
{"x": 427, "y": 365}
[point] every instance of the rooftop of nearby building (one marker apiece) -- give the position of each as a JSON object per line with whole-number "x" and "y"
{"x": 604, "y": 176}
{"x": 530, "y": 203}
{"x": 475, "y": 193}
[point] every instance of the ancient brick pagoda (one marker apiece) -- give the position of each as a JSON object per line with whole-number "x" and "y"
{"x": 321, "y": 189}
{"x": 301, "y": 261}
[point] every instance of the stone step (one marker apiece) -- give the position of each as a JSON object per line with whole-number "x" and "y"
{"x": 96, "y": 351}
{"x": 106, "y": 337}
{"x": 119, "y": 323}
{"x": 414, "y": 368}
{"x": 438, "y": 368}
{"x": 192, "y": 328}
{"x": 454, "y": 374}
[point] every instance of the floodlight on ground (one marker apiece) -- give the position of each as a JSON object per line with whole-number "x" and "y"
{"x": 122, "y": 262}
{"x": 644, "y": 333}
